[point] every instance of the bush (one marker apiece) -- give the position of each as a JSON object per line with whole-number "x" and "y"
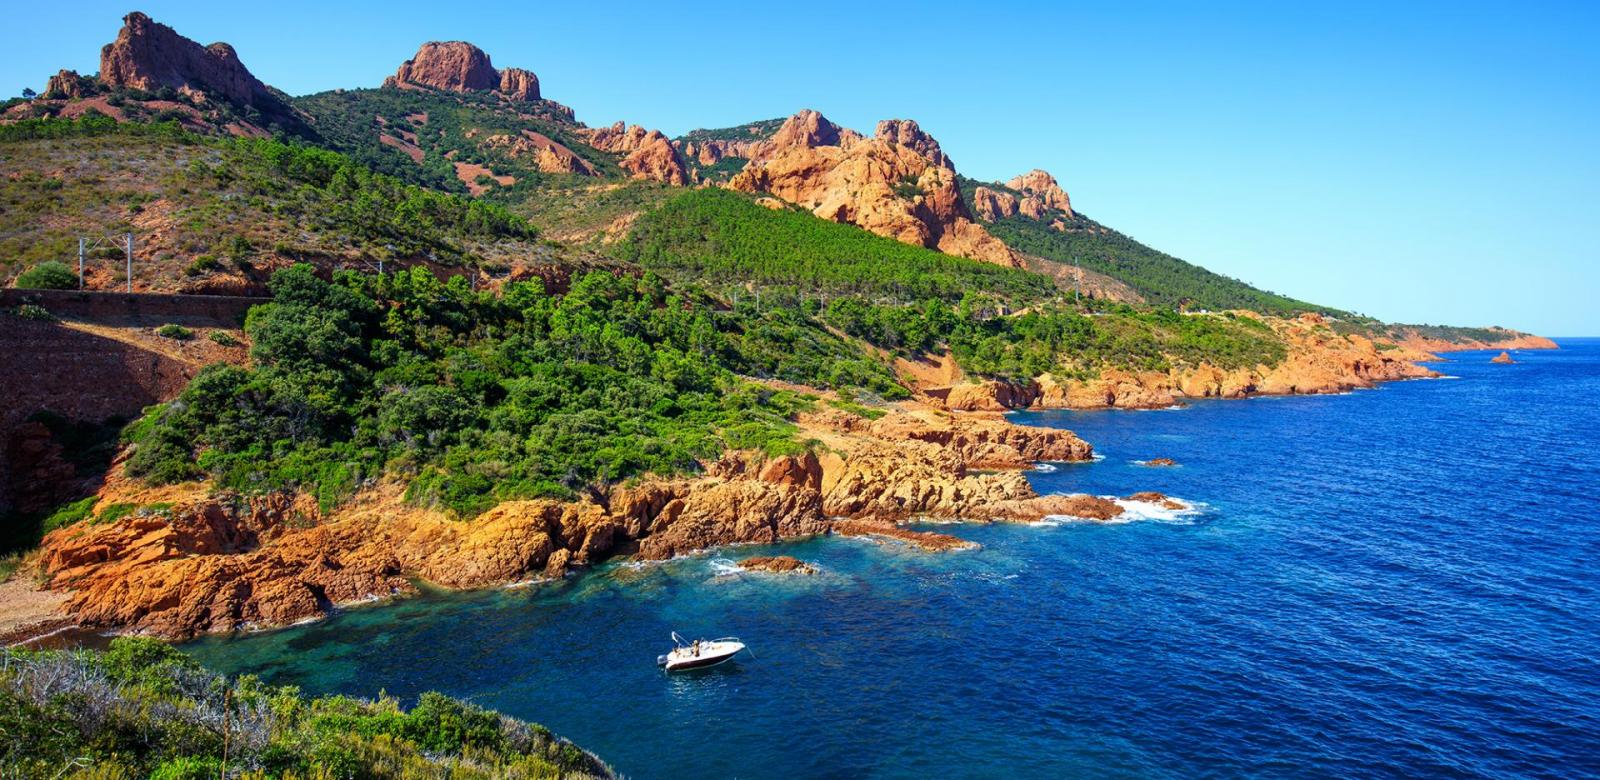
{"x": 48, "y": 275}
{"x": 223, "y": 338}
{"x": 174, "y": 332}
{"x": 202, "y": 264}
{"x": 33, "y": 311}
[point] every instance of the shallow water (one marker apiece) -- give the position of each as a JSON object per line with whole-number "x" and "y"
{"x": 1395, "y": 582}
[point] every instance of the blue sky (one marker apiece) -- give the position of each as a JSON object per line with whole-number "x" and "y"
{"x": 1418, "y": 162}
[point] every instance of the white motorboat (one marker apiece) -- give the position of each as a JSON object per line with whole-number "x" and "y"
{"x": 699, "y": 654}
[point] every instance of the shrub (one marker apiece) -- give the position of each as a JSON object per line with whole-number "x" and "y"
{"x": 174, "y": 332}
{"x": 33, "y": 311}
{"x": 223, "y": 338}
{"x": 201, "y": 265}
{"x": 48, "y": 275}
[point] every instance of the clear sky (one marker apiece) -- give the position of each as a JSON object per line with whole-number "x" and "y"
{"x": 1418, "y": 162}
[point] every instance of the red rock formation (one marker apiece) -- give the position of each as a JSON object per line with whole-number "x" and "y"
{"x": 993, "y": 206}
{"x": 453, "y": 66}
{"x": 220, "y": 562}
{"x": 1503, "y": 358}
{"x": 777, "y": 564}
{"x": 548, "y": 154}
{"x": 882, "y": 186}
{"x": 458, "y": 66}
{"x": 907, "y": 133}
{"x": 519, "y": 84}
{"x": 148, "y": 56}
{"x": 67, "y": 85}
{"x": 1043, "y": 194}
{"x": 657, "y": 159}
{"x": 648, "y": 154}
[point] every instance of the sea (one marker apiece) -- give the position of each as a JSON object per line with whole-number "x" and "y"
{"x": 1398, "y": 582}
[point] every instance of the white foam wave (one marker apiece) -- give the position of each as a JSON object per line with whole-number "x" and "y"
{"x": 1044, "y": 468}
{"x": 724, "y": 567}
{"x": 1183, "y": 514}
{"x": 1133, "y": 511}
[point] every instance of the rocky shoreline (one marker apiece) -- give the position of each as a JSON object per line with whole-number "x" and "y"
{"x": 214, "y": 561}
{"x": 1319, "y": 361}
{"x": 211, "y": 561}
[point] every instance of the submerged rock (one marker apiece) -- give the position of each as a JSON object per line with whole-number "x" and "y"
{"x": 777, "y": 564}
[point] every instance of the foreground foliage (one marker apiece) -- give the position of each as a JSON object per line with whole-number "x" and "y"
{"x": 143, "y": 709}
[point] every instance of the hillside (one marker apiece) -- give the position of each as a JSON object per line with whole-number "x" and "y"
{"x": 1071, "y": 238}
{"x": 219, "y": 214}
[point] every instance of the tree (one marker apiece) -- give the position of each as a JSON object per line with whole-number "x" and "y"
{"x": 28, "y": 93}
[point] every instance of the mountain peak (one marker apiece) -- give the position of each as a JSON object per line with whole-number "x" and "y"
{"x": 148, "y": 55}
{"x": 907, "y": 133}
{"x": 458, "y": 66}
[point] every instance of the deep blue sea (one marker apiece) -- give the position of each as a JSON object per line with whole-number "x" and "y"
{"x": 1401, "y": 582}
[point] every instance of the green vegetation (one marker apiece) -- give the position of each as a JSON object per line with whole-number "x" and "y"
{"x": 353, "y": 122}
{"x": 228, "y": 197}
{"x": 48, "y": 275}
{"x": 713, "y": 236}
{"x": 749, "y": 131}
{"x": 478, "y": 398}
{"x": 1160, "y": 278}
{"x": 223, "y": 338}
{"x": 144, "y": 709}
{"x": 175, "y": 332}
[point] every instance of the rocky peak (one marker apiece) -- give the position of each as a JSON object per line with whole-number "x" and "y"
{"x": 458, "y": 66}
{"x": 1043, "y": 187}
{"x": 455, "y": 66}
{"x": 810, "y": 129}
{"x": 147, "y": 55}
{"x": 907, "y": 133}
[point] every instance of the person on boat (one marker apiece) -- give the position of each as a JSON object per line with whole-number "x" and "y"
{"x": 696, "y": 648}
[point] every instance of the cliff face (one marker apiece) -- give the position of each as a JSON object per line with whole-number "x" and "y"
{"x": 458, "y": 66}
{"x": 201, "y": 561}
{"x": 147, "y": 55}
{"x": 886, "y": 184}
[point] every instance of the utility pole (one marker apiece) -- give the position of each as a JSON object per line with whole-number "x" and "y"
{"x": 80, "y": 262}
{"x": 130, "y": 262}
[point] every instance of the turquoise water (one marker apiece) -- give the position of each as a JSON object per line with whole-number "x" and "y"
{"x": 1398, "y": 582}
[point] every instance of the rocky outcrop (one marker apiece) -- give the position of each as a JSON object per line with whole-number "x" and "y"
{"x": 193, "y": 561}
{"x": 1041, "y": 194}
{"x": 1318, "y": 360}
{"x": 68, "y": 85}
{"x": 549, "y": 155}
{"x": 777, "y": 564}
{"x": 878, "y": 184}
{"x": 1498, "y": 338}
{"x": 1034, "y": 195}
{"x": 994, "y": 205}
{"x": 647, "y": 154}
{"x": 453, "y": 66}
{"x": 1503, "y": 358}
{"x": 657, "y": 160}
{"x": 907, "y": 133}
{"x": 519, "y": 84}
{"x": 149, "y": 56}
{"x": 1159, "y": 463}
{"x": 458, "y": 66}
